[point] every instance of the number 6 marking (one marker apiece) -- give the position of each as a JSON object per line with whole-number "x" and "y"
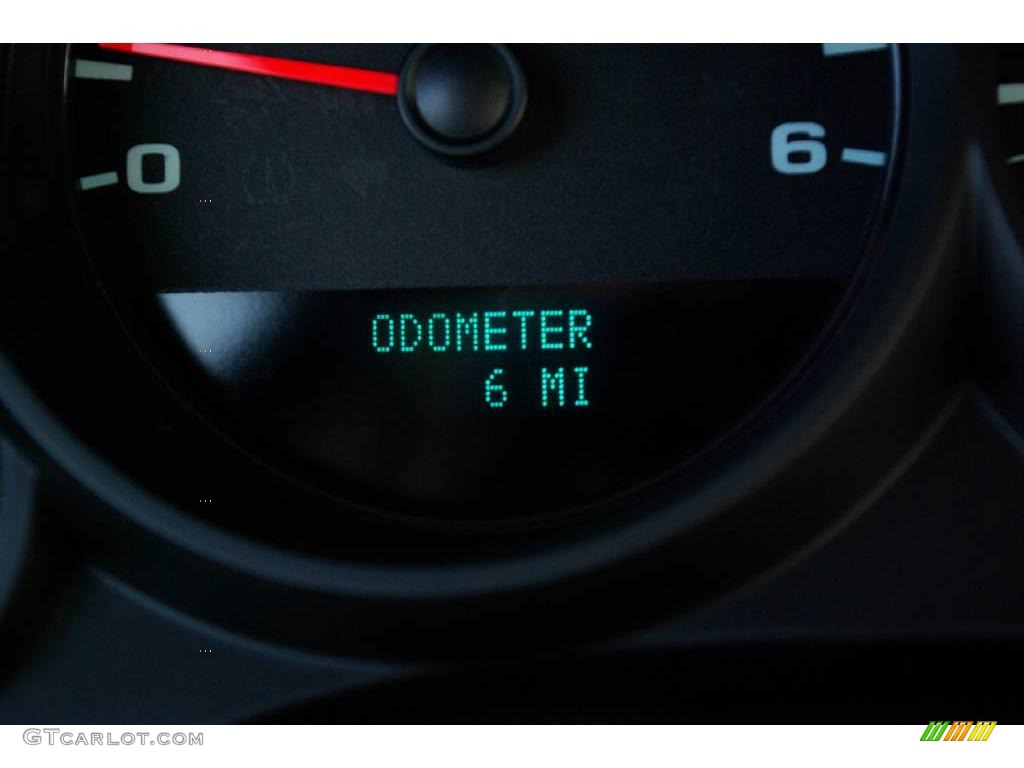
{"x": 795, "y": 151}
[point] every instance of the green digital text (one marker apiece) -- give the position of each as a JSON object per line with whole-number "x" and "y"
{"x": 519, "y": 330}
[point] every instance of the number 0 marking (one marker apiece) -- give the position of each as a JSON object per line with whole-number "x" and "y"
{"x": 171, "y": 169}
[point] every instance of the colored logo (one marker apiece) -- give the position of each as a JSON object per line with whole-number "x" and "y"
{"x": 961, "y": 730}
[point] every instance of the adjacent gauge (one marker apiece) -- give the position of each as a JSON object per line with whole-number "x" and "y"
{"x": 1009, "y": 96}
{"x": 481, "y": 281}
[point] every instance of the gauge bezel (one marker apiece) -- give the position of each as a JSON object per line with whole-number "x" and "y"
{"x": 325, "y": 497}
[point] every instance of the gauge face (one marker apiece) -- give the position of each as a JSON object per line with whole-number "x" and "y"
{"x": 479, "y": 282}
{"x": 1010, "y": 102}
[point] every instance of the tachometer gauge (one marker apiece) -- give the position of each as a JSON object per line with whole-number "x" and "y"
{"x": 429, "y": 349}
{"x": 479, "y": 281}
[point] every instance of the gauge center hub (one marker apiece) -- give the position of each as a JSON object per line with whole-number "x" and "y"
{"x": 461, "y": 100}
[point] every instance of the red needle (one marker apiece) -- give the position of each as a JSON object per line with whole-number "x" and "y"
{"x": 351, "y": 78}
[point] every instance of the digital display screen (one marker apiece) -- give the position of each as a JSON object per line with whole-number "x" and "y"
{"x": 489, "y": 401}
